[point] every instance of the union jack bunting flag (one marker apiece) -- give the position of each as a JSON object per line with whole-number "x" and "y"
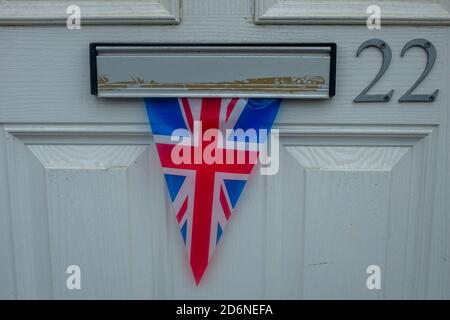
{"x": 207, "y": 153}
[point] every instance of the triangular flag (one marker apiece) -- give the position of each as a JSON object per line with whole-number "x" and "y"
{"x": 207, "y": 148}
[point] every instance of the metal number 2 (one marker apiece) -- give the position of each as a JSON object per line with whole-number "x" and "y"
{"x": 387, "y": 57}
{"x": 431, "y": 58}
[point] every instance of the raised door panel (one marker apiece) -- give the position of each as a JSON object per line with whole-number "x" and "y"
{"x": 345, "y": 199}
{"x": 98, "y": 12}
{"x": 82, "y": 199}
{"x": 394, "y": 12}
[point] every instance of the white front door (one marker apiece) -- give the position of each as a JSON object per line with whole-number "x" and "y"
{"x": 359, "y": 184}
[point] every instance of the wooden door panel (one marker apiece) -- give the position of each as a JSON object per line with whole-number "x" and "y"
{"x": 79, "y": 202}
{"x": 364, "y": 198}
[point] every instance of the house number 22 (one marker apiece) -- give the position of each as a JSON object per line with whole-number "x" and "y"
{"x": 387, "y": 57}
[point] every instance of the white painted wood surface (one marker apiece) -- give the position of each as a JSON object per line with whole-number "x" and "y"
{"x": 353, "y": 12}
{"x": 359, "y": 184}
{"x": 50, "y": 12}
